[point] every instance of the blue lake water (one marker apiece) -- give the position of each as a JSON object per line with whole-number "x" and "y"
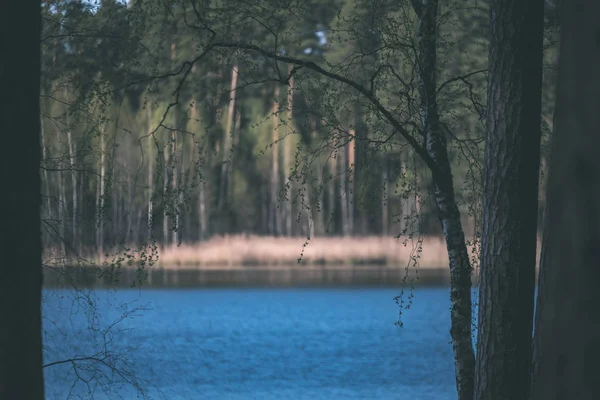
{"x": 250, "y": 344}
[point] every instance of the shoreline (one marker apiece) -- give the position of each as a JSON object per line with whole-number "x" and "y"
{"x": 232, "y": 252}
{"x": 240, "y": 277}
{"x": 254, "y": 261}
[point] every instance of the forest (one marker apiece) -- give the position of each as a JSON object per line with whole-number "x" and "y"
{"x": 143, "y": 143}
{"x": 157, "y": 122}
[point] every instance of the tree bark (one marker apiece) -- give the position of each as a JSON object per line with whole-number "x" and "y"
{"x": 510, "y": 200}
{"x": 100, "y": 198}
{"x": 384, "y": 196}
{"x": 318, "y": 210}
{"x": 227, "y": 139}
{"x": 567, "y": 324}
{"x": 174, "y": 183}
{"x": 44, "y": 157}
{"x": 20, "y": 231}
{"x": 166, "y": 196}
{"x": 150, "y": 175}
{"x": 443, "y": 189}
{"x": 343, "y": 167}
{"x": 275, "y": 219}
{"x": 287, "y": 149}
{"x": 332, "y": 162}
{"x": 350, "y": 186}
{"x": 73, "y": 181}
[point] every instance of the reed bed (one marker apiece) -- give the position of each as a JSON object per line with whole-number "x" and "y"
{"x": 230, "y": 252}
{"x": 235, "y": 251}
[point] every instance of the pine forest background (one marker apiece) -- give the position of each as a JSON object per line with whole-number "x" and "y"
{"x": 156, "y": 131}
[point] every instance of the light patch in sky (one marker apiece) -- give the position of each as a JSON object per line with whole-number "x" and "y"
{"x": 322, "y": 37}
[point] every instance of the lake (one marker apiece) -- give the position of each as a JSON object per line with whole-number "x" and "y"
{"x": 249, "y": 344}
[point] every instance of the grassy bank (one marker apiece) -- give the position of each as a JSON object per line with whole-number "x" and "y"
{"x": 278, "y": 251}
{"x": 232, "y": 252}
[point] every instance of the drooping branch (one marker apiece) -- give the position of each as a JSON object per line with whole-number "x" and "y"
{"x": 355, "y": 85}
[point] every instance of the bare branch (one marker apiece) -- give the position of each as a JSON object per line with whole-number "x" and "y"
{"x": 460, "y": 78}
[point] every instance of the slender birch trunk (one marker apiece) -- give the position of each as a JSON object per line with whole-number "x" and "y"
{"x": 443, "y": 189}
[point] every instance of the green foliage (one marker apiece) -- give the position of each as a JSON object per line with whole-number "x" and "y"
{"x": 152, "y": 82}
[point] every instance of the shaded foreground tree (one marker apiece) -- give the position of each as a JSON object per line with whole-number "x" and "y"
{"x": 20, "y": 237}
{"x": 567, "y": 326}
{"x": 510, "y": 200}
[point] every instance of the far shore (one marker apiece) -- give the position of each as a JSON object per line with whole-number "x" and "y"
{"x": 241, "y": 252}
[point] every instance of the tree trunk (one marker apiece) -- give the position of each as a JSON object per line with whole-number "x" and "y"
{"x": 350, "y": 187}
{"x": 443, "y": 189}
{"x": 384, "y": 196}
{"x": 342, "y": 152}
{"x": 567, "y": 324}
{"x": 73, "y": 181}
{"x": 275, "y": 220}
{"x": 20, "y": 231}
{"x": 332, "y": 161}
{"x": 318, "y": 211}
{"x": 174, "y": 183}
{"x": 44, "y": 157}
{"x": 510, "y": 200}
{"x": 150, "y": 175}
{"x": 166, "y": 197}
{"x": 100, "y": 198}
{"x": 202, "y": 210}
{"x": 287, "y": 156}
{"x": 227, "y": 139}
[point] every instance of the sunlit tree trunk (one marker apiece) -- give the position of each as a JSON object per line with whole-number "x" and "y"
{"x": 227, "y": 140}
{"x": 567, "y": 321}
{"x": 20, "y": 227}
{"x": 287, "y": 156}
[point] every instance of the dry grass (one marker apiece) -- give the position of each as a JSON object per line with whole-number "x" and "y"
{"x": 231, "y": 252}
{"x": 235, "y": 251}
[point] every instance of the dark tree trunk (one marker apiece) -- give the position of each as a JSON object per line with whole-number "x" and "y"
{"x": 510, "y": 200}
{"x": 443, "y": 188}
{"x": 20, "y": 234}
{"x": 567, "y": 326}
